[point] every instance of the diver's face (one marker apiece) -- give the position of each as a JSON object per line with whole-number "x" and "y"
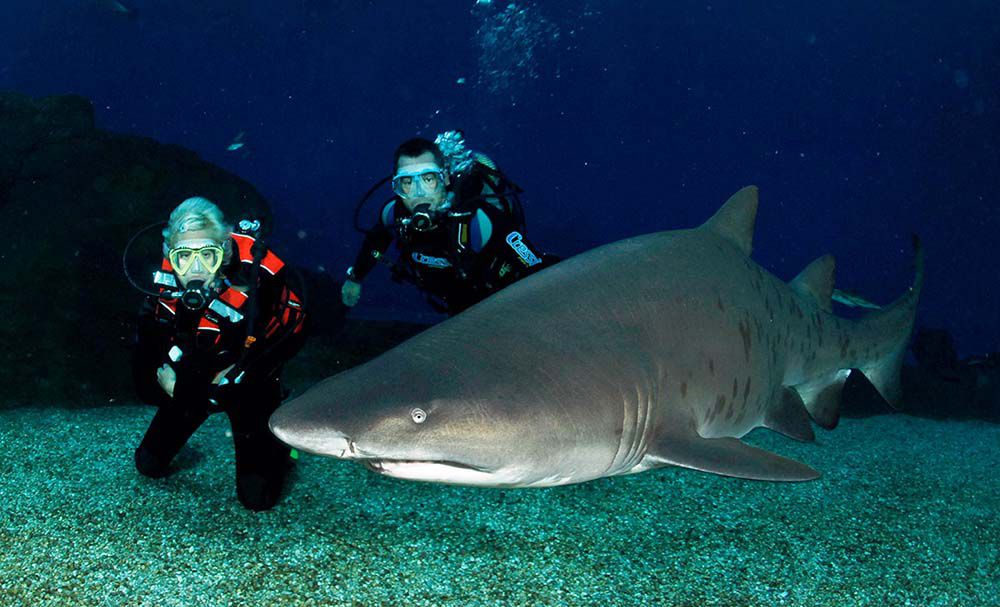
{"x": 200, "y": 263}
{"x": 434, "y": 189}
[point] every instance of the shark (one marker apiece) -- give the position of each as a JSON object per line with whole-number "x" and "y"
{"x": 659, "y": 350}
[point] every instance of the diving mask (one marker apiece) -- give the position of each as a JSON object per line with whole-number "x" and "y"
{"x": 206, "y": 255}
{"x": 418, "y": 180}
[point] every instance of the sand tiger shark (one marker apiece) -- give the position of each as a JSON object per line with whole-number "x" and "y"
{"x": 657, "y": 350}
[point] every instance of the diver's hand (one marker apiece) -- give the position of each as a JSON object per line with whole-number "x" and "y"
{"x": 350, "y": 293}
{"x": 167, "y": 378}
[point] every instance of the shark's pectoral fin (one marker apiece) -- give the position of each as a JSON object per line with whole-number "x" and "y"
{"x": 728, "y": 457}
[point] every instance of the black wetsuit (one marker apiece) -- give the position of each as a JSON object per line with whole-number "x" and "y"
{"x": 210, "y": 341}
{"x": 476, "y": 247}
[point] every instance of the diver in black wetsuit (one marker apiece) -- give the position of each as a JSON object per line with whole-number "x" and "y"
{"x": 459, "y": 234}
{"x": 215, "y": 340}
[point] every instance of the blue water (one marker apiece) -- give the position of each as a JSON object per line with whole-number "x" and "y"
{"x": 862, "y": 122}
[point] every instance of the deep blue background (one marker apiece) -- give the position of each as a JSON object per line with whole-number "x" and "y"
{"x": 861, "y": 121}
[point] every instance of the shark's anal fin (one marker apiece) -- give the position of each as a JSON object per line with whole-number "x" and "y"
{"x": 789, "y": 417}
{"x": 858, "y": 389}
{"x": 728, "y": 457}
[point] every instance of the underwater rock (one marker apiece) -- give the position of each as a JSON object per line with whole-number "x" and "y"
{"x": 71, "y": 196}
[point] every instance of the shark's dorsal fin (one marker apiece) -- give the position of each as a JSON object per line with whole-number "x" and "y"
{"x": 735, "y": 220}
{"x": 816, "y": 282}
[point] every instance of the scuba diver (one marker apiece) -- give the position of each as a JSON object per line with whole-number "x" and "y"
{"x": 214, "y": 338}
{"x": 457, "y": 223}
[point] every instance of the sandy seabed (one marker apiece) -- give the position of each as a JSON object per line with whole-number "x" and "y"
{"x": 906, "y": 513}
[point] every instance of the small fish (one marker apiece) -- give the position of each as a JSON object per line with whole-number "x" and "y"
{"x": 120, "y": 9}
{"x": 237, "y": 143}
{"x": 853, "y": 300}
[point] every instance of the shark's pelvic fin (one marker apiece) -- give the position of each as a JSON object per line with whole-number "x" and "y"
{"x": 735, "y": 220}
{"x": 789, "y": 417}
{"x": 824, "y": 406}
{"x": 816, "y": 282}
{"x": 728, "y": 457}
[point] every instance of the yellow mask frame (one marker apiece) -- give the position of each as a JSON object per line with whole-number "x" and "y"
{"x": 209, "y": 257}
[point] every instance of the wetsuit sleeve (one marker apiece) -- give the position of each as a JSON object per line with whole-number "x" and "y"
{"x": 280, "y": 329}
{"x": 376, "y": 242}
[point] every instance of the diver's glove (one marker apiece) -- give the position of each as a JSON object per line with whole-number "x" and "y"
{"x": 350, "y": 292}
{"x": 167, "y": 378}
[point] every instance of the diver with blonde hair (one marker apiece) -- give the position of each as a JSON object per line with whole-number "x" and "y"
{"x": 214, "y": 339}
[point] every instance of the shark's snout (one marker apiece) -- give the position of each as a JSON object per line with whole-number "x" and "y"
{"x": 308, "y": 436}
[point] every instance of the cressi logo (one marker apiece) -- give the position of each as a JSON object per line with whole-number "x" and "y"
{"x": 516, "y": 242}
{"x": 427, "y": 260}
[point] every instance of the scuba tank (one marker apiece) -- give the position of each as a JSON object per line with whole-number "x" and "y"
{"x": 463, "y": 162}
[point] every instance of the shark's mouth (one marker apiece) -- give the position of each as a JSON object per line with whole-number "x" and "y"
{"x": 434, "y": 471}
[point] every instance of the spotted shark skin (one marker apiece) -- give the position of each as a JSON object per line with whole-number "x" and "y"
{"x": 658, "y": 350}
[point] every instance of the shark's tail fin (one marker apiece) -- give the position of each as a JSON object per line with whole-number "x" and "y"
{"x": 895, "y": 322}
{"x": 885, "y": 333}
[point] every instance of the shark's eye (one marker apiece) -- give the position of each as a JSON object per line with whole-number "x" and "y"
{"x": 418, "y": 415}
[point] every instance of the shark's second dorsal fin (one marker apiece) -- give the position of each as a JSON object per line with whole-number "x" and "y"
{"x": 816, "y": 281}
{"x": 735, "y": 220}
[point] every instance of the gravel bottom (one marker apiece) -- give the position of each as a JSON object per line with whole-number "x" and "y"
{"x": 905, "y": 514}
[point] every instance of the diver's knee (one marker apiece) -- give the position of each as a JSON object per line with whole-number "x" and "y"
{"x": 257, "y": 492}
{"x": 148, "y": 464}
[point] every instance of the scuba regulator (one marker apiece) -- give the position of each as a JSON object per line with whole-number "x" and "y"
{"x": 195, "y": 296}
{"x": 422, "y": 219}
